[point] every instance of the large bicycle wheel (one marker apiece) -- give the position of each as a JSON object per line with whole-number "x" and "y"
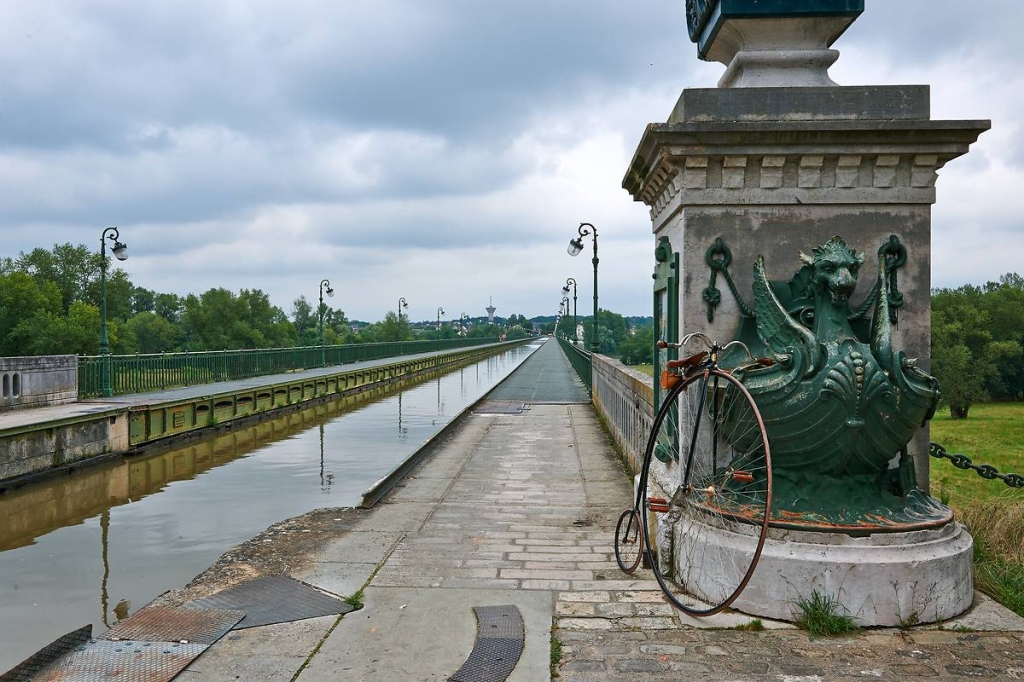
{"x": 628, "y": 540}
{"x": 707, "y": 480}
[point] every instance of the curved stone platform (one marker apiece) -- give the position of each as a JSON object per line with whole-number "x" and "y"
{"x": 885, "y": 579}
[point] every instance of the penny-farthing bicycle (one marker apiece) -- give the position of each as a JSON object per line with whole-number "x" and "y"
{"x": 704, "y": 487}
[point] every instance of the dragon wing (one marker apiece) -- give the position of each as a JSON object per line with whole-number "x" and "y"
{"x": 782, "y": 335}
{"x": 881, "y": 327}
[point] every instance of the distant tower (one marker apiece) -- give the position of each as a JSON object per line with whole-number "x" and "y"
{"x": 490, "y": 311}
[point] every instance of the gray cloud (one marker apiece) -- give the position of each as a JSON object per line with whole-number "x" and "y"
{"x": 438, "y": 149}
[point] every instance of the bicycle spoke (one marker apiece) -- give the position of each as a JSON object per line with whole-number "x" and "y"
{"x": 714, "y": 468}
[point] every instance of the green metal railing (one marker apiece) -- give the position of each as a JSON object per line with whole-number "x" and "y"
{"x": 141, "y": 373}
{"x": 580, "y": 361}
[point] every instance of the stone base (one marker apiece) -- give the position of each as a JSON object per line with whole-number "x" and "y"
{"x": 885, "y": 579}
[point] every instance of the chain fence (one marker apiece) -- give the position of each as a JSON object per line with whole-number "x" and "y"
{"x": 986, "y": 471}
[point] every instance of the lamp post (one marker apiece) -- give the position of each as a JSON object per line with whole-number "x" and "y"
{"x": 402, "y": 303}
{"x": 575, "y": 246}
{"x": 565, "y": 313}
{"x": 565, "y": 292}
{"x": 440, "y": 312}
{"x": 120, "y": 251}
{"x": 325, "y": 285}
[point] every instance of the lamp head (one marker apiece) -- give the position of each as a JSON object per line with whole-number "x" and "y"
{"x": 575, "y": 246}
{"x": 565, "y": 290}
{"x": 120, "y": 250}
{"x": 329, "y": 291}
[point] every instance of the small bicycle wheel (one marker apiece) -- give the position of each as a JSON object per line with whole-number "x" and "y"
{"x": 713, "y": 477}
{"x": 629, "y": 541}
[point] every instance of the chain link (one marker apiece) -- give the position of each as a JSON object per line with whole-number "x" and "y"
{"x": 986, "y": 471}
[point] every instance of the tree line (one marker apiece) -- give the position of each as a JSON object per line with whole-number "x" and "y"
{"x": 978, "y": 343}
{"x": 50, "y": 305}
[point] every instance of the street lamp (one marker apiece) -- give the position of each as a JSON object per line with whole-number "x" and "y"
{"x": 325, "y": 285}
{"x": 575, "y": 246}
{"x": 565, "y": 292}
{"x": 402, "y": 304}
{"x": 440, "y": 312}
{"x": 120, "y": 251}
{"x": 565, "y": 313}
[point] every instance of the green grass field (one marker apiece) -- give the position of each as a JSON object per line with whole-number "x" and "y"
{"x": 991, "y": 510}
{"x": 992, "y": 434}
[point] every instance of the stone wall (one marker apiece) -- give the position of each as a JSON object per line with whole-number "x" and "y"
{"x": 38, "y": 381}
{"x": 32, "y": 450}
{"x": 624, "y": 398}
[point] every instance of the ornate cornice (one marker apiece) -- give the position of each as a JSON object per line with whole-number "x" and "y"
{"x": 814, "y": 162}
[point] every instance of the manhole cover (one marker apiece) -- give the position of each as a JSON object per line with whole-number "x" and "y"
{"x": 274, "y": 599}
{"x": 498, "y": 646}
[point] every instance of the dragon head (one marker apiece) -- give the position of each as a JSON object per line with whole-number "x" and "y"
{"x": 834, "y": 267}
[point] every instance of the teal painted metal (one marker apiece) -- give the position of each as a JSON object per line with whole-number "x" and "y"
{"x": 580, "y": 361}
{"x": 141, "y": 373}
{"x": 575, "y": 246}
{"x": 704, "y": 18}
{"x": 838, "y": 409}
{"x": 121, "y": 252}
{"x": 666, "y": 309}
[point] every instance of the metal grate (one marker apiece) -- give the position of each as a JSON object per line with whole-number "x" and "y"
{"x": 500, "y": 407}
{"x": 27, "y": 670}
{"x": 163, "y": 624}
{"x": 498, "y": 646}
{"x": 122, "y": 662}
{"x": 273, "y": 599}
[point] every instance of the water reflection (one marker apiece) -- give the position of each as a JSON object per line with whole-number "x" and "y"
{"x": 124, "y": 532}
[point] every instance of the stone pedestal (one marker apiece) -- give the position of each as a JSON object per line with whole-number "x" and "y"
{"x": 776, "y": 162}
{"x": 886, "y": 579}
{"x": 779, "y": 171}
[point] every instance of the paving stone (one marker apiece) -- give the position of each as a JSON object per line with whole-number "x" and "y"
{"x": 914, "y": 670}
{"x": 563, "y": 608}
{"x": 640, "y": 666}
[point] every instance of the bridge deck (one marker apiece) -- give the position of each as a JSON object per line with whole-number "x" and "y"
{"x": 544, "y": 377}
{"x": 95, "y": 406}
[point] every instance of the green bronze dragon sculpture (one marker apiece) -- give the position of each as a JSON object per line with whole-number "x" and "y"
{"x": 839, "y": 411}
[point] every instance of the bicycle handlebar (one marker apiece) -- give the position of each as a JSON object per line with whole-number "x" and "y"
{"x": 703, "y": 356}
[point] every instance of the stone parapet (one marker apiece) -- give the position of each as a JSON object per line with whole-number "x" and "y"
{"x": 38, "y": 381}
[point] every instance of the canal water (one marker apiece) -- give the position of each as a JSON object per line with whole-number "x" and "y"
{"x": 102, "y": 542}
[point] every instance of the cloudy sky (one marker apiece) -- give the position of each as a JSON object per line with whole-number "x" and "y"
{"x": 440, "y": 150}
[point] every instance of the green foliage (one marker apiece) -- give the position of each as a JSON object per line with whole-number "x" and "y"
{"x": 151, "y": 334}
{"x": 754, "y": 625}
{"x": 355, "y": 600}
{"x": 556, "y": 654}
{"x": 392, "y": 328}
{"x": 820, "y": 615}
{"x": 24, "y": 298}
{"x": 999, "y": 577}
{"x": 638, "y": 350}
{"x": 71, "y": 268}
{"x": 978, "y": 343}
{"x": 74, "y": 333}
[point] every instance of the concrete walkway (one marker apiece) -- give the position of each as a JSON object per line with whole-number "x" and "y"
{"x": 519, "y": 509}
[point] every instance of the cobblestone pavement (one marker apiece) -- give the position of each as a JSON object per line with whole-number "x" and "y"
{"x": 533, "y": 507}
